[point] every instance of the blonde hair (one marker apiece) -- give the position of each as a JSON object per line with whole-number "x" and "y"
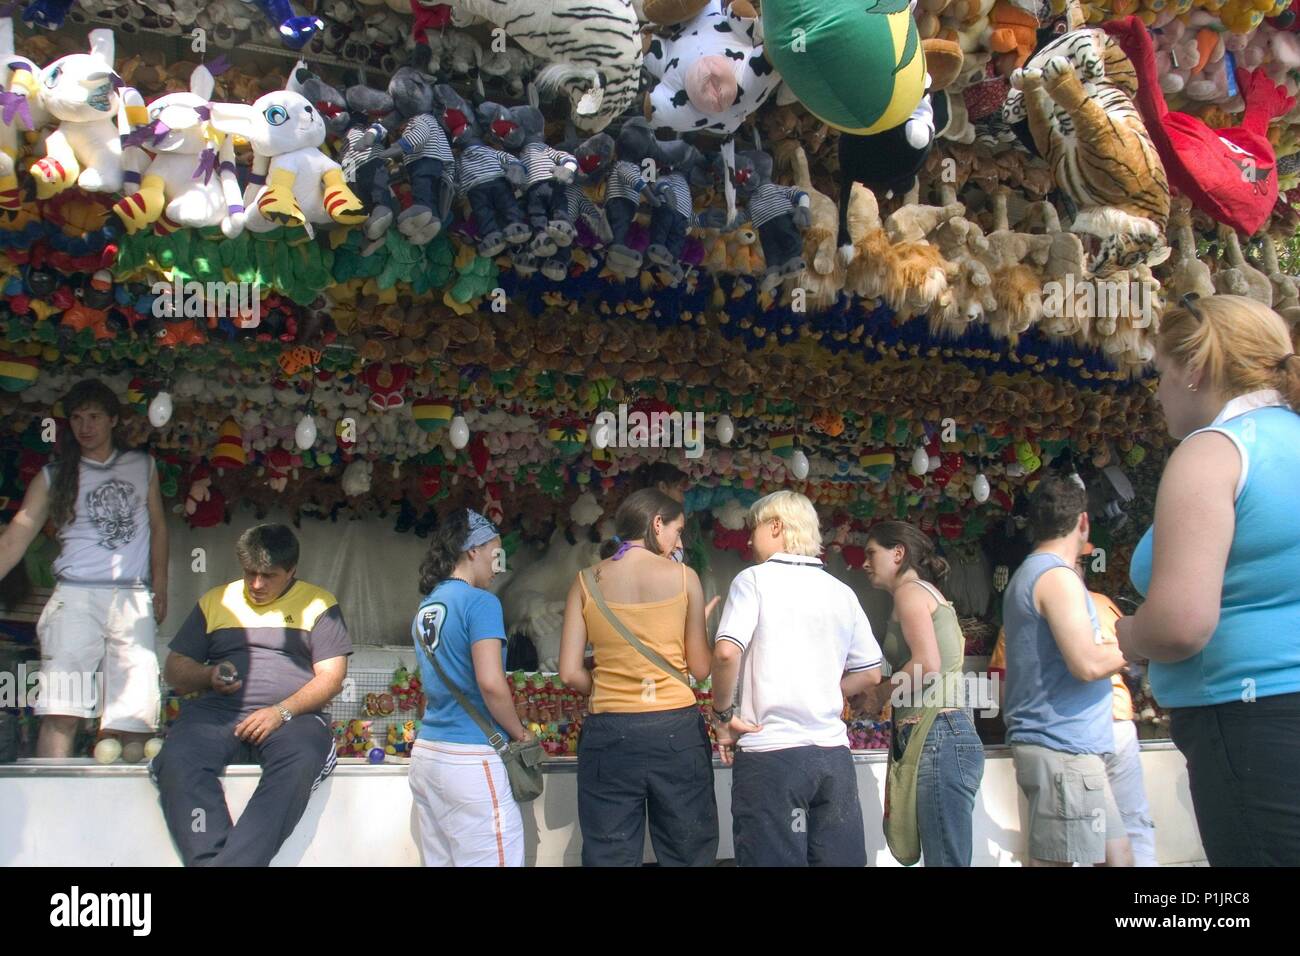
{"x": 801, "y": 528}
{"x": 1240, "y": 344}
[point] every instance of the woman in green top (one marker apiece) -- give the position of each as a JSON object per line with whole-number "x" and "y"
{"x": 925, "y": 650}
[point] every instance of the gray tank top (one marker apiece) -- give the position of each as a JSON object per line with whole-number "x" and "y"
{"x": 107, "y": 542}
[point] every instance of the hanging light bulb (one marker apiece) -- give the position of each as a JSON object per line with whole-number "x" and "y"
{"x": 304, "y": 436}
{"x": 602, "y": 430}
{"x": 799, "y": 464}
{"x": 725, "y": 429}
{"x": 459, "y": 432}
{"x": 920, "y": 460}
{"x": 979, "y": 488}
{"x": 160, "y": 410}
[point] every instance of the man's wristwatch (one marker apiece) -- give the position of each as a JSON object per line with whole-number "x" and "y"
{"x": 724, "y": 716}
{"x": 285, "y": 715}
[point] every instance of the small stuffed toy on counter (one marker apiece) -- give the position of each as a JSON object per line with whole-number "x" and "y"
{"x": 189, "y": 180}
{"x": 81, "y": 91}
{"x": 709, "y": 64}
{"x": 293, "y": 183}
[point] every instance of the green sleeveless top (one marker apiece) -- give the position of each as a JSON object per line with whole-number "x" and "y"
{"x": 952, "y": 656}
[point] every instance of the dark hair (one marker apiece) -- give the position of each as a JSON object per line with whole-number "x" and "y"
{"x": 266, "y": 546}
{"x": 1054, "y": 508}
{"x": 67, "y": 451}
{"x": 652, "y": 473}
{"x": 918, "y": 549}
{"x": 635, "y": 519}
{"x": 444, "y": 549}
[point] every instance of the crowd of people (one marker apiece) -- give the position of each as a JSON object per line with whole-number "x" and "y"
{"x": 1218, "y": 631}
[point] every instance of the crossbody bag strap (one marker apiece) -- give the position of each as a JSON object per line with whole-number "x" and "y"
{"x": 653, "y": 656}
{"x": 496, "y": 740}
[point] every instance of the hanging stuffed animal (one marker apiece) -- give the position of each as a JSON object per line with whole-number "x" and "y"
{"x": 426, "y": 156}
{"x": 593, "y": 48}
{"x": 189, "y": 181}
{"x": 855, "y": 66}
{"x": 625, "y": 187}
{"x": 777, "y": 212}
{"x": 484, "y": 175}
{"x": 549, "y": 171}
{"x": 365, "y": 170}
{"x": 506, "y": 136}
{"x": 1117, "y": 183}
{"x": 594, "y": 156}
{"x": 672, "y": 219}
{"x": 710, "y": 68}
{"x": 22, "y": 111}
{"x": 47, "y": 14}
{"x": 887, "y": 162}
{"x": 293, "y": 182}
{"x": 81, "y": 92}
{"x": 1229, "y": 174}
{"x": 295, "y": 31}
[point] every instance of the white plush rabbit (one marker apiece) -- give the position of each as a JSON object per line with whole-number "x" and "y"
{"x": 190, "y": 180}
{"x": 81, "y": 92}
{"x": 15, "y": 71}
{"x": 293, "y": 182}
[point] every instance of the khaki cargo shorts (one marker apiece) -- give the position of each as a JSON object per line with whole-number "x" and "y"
{"x": 1072, "y": 812}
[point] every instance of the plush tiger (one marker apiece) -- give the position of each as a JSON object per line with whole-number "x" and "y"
{"x": 1077, "y": 95}
{"x": 593, "y": 47}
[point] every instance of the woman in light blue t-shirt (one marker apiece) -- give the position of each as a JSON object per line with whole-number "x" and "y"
{"x": 467, "y": 812}
{"x": 1221, "y": 622}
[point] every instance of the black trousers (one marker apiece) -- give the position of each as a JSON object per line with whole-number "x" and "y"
{"x": 1243, "y": 768}
{"x": 294, "y": 759}
{"x": 660, "y": 764}
{"x": 620, "y": 213}
{"x": 781, "y": 240}
{"x": 797, "y": 807}
{"x": 546, "y": 202}
{"x": 494, "y": 206}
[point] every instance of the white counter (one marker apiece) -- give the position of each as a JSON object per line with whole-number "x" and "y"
{"x": 78, "y": 813}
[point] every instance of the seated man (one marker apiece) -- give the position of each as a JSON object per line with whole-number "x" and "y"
{"x": 268, "y": 654}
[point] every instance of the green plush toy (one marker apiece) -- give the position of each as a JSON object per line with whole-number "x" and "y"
{"x": 856, "y": 65}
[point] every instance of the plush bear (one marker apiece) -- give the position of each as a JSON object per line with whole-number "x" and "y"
{"x": 672, "y": 219}
{"x": 711, "y": 71}
{"x": 80, "y": 92}
{"x": 625, "y": 187}
{"x": 486, "y": 175}
{"x": 779, "y": 213}
{"x": 183, "y": 185}
{"x": 293, "y": 182}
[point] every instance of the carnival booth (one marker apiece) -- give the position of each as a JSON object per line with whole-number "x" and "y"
{"x": 353, "y": 263}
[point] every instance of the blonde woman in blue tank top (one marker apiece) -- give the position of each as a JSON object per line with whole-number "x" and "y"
{"x": 1221, "y": 621}
{"x": 925, "y": 649}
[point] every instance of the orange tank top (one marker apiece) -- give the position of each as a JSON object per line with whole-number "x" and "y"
{"x": 623, "y": 680}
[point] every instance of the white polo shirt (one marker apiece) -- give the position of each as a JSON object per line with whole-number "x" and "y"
{"x": 801, "y": 629}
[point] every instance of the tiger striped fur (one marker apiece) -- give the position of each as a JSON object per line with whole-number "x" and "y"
{"x": 589, "y": 44}
{"x": 1077, "y": 95}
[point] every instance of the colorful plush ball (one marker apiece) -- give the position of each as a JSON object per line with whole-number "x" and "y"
{"x": 858, "y": 67}
{"x": 430, "y": 414}
{"x": 376, "y": 755}
{"x": 229, "y": 452}
{"x": 18, "y": 374}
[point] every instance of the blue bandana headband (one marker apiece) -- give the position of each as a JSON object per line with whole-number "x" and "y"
{"x": 481, "y": 531}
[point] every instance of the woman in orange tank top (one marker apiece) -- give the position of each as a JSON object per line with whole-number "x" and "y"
{"x": 644, "y": 748}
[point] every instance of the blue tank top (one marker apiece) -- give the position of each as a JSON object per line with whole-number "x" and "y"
{"x": 1255, "y": 650}
{"x": 1046, "y": 704}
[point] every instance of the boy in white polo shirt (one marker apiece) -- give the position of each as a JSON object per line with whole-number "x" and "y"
{"x": 801, "y": 643}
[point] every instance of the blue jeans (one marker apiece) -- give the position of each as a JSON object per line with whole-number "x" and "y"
{"x": 947, "y": 780}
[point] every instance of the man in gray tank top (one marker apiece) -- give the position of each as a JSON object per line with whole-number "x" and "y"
{"x": 1058, "y": 696}
{"x": 97, "y": 631}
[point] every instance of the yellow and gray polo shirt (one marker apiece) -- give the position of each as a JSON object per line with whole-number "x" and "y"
{"x": 273, "y": 646}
